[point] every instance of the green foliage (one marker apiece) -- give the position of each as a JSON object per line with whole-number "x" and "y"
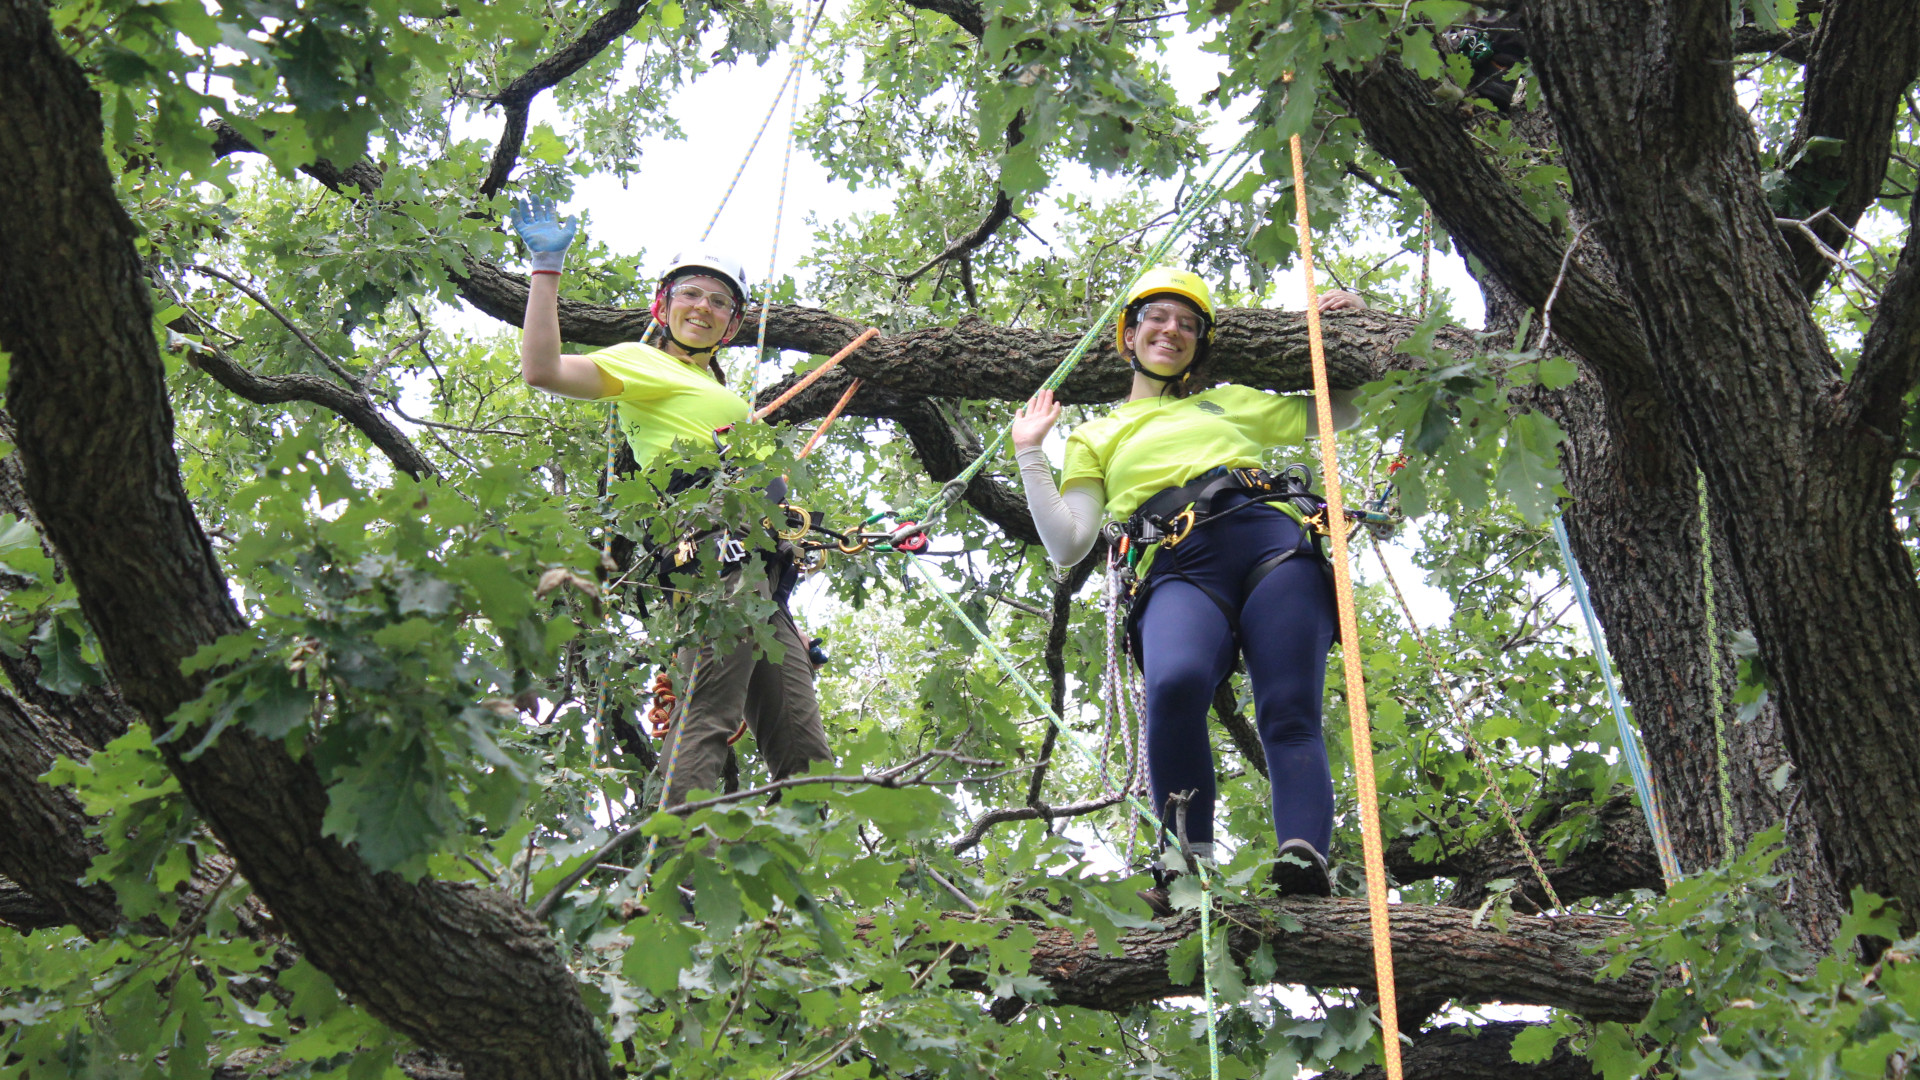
{"x": 474, "y": 731}
{"x": 1740, "y": 995}
{"x": 1463, "y": 435}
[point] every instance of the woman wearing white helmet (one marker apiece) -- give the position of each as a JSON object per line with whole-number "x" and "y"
{"x": 664, "y": 395}
{"x": 1227, "y": 566}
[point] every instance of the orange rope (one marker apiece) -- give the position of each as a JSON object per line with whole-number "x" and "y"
{"x": 1369, "y": 796}
{"x": 813, "y": 376}
{"x": 832, "y": 415}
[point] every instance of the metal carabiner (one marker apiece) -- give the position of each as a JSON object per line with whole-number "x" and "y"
{"x": 1180, "y": 528}
{"x": 798, "y": 531}
{"x": 730, "y": 550}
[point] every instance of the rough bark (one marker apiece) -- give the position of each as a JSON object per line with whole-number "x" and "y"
{"x": 1437, "y": 953}
{"x": 1484, "y": 1052}
{"x": 1864, "y": 55}
{"x": 44, "y": 846}
{"x": 1620, "y": 857}
{"x": 459, "y": 969}
{"x": 24, "y": 911}
{"x": 1663, "y": 161}
{"x": 1633, "y": 521}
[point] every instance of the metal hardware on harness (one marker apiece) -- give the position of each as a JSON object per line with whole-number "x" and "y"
{"x": 1180, "y": 528}
{"x": 1317, "y": 521}
{"x": 796, "y": 532}
{"x": 729, "y": 549}
{"x": 683, "y": 553}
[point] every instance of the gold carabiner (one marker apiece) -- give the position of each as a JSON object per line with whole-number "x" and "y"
{"x": 1180, "y": 529}
{"x": 856, "y": 548}
{"x": 798, "y": 531}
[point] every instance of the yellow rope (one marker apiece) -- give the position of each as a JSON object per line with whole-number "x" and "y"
{"x": 1350, "y": 646}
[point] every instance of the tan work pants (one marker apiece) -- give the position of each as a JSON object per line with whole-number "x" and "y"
{"x": 776, "y": 701}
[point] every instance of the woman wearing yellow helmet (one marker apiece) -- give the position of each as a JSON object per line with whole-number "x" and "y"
{"x": 1179, "y": 462}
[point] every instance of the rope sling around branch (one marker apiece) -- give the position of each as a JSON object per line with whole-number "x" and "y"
{"x": 1367, "y": 794}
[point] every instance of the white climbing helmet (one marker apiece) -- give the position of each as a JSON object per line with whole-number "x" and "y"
{"x": 713, "y": 264}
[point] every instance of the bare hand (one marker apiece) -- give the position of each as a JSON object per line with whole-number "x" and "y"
{"x": 1341, "y": 300}
{"x": 1032, "y": 421}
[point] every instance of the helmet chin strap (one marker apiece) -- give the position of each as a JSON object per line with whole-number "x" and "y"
{"x": 690, "y": 350}
{"x": 1156, "y": 376}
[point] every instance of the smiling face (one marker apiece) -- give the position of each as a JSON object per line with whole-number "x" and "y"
{"x": 1165, "y": 335}
{"x": 699, "y": 321}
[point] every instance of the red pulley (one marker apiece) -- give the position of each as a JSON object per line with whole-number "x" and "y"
{"x": 912, "y": 545}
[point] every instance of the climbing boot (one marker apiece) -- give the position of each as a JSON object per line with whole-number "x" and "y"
{"x": 1158, "y": 898}
{"x": 1301, "y": 870}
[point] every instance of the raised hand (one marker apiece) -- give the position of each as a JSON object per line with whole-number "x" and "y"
{"x": 545, "y": 235}
{"x": 1341, "y": 300}
{"x": 1032, "y": 421}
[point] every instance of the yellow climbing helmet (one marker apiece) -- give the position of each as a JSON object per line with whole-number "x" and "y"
{"x": 1162, "y": 281}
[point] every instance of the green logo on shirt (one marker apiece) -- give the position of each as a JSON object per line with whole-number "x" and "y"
{"x": 1210, "y": 407}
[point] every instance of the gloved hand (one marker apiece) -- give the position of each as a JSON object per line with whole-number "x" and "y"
{"x": 545, "y": 235}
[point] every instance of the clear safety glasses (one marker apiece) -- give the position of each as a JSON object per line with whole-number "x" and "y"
{"x": 721, "y": 302}
{"x": 1171, "y": 317}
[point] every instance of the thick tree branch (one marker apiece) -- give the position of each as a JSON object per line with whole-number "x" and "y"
{"x": 1484, "y": 1052}
{"x": 519, "y": 93}
{"x": 355, "y": 408}
{"x": 1487, "y": 218}
{"x": 44, "y": 846}
{"x": 458, "y": 968}
{"x": 363, "y": 175}
{"x": 966, "y": 14}
{"x": 1865, "y": 55}
{"x": 24, "y": 911}
{"x": 1437, "y": 953}
{"x": 1617, "y": 857}
{"x": 1890, "y": 356}
{"x": 1797, "y": 494}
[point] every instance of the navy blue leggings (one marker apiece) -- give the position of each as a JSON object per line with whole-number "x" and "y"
{"x": 1187, "y": 646}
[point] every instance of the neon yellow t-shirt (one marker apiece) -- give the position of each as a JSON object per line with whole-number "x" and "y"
{"x": 663, "y": 401}
{"x": 1146, "y": 446}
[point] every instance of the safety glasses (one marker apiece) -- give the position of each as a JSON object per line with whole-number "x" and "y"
{"x": 1171, "y": 317}
{"x": 721, "y": 302}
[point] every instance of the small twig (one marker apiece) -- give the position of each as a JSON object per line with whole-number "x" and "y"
{"x": 1371, "y": 180}
{"x": 951, "y": 887}
{"x": 259, "y": 298}
{"x": 1805, "y": 228}
{"x": 394, "y": 404}
{"x": 893, "y": 778}
{"x": 1546, "y": 310}
{"x": 826, "y": 1059}
{"x": 746, "y": 983}
{"x": 978, "y": 830}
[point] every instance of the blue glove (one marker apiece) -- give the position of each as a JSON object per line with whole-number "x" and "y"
{"x": 545, "y": 235}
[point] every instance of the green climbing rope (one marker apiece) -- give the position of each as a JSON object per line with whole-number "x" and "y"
{"x": 1713, "y": 674}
